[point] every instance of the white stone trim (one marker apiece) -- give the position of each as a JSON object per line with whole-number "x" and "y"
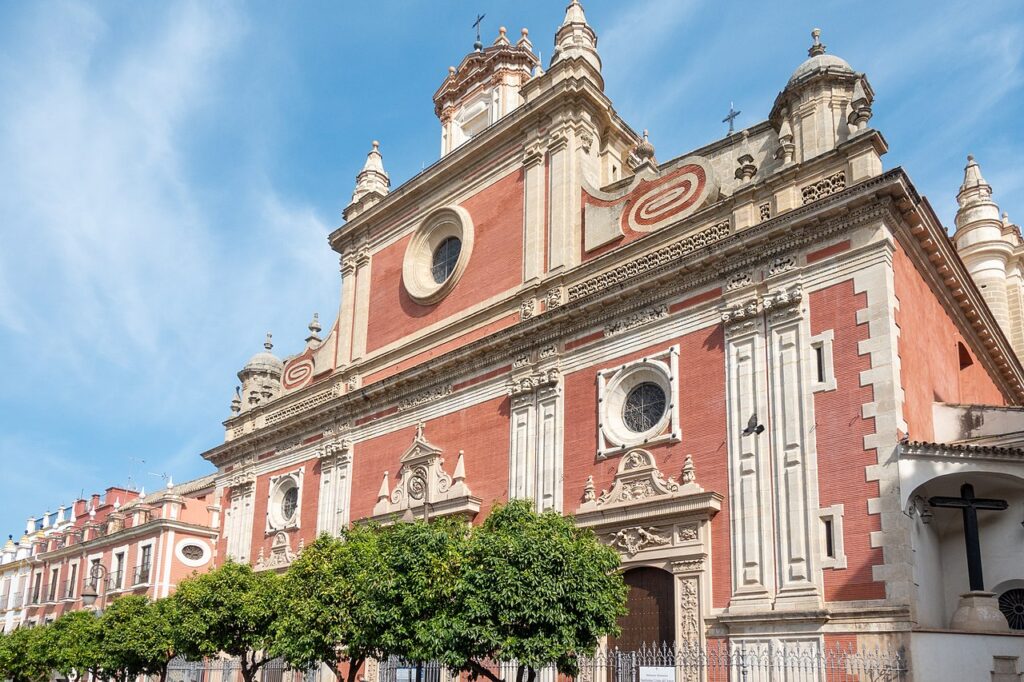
{"x": 615, "y": 384}
{"x": 445, "y": 222}
{"x": 822, "y": 343}
{"x": 279, "y": 486}
{"x": 193, "y": 563}
{"x": 834, "y": 514}
{"x": 335, "y": 486}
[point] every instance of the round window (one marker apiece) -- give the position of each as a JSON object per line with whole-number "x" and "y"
{"x": 644, "y": 407}
{"x": 1011, "y": 603}
{"x": 446, "y": 255}
{"x": 192, "y": 552}
{"x": 289, "y": 503}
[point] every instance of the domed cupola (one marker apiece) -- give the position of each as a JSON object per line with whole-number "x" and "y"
{"x": 825, "y": 102}
{"x": 261, "y": 377}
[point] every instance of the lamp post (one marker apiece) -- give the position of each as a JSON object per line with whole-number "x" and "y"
{"x": 96, "y": 574}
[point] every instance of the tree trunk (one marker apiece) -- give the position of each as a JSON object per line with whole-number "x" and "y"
{"x": 354, "y": 664}
{"x": 519, "y": 673}
{"x": 480, "y": 670}
{"x": 532, "y": 675}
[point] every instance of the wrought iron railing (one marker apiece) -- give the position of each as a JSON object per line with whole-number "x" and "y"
{"x": 141, "y": 576}
{"x": 714, "y": 661}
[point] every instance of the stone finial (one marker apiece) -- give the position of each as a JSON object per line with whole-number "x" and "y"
{"x": 117, "y": 502}
{"x": 787, "y": 148}
{"x": 384, "y": 492}
{"x": 502, "y": 38}
{"x": 524, "y": 40}
{"x": 589, "y": 490}
{"x": 576, "y": 39}
{"x": 451, "y": 71}
{"x": 314, "y": 329}
{"x": 236, "y": 402}
{"x": 817, "y": 47}
{"x": 170, "y": 481}
{"x": 30, "y": 525}
{"x": 460, "y": 469}
{"x": 746, "y": 169}
{"x": 268, "y": 344}
{"x": 645, "y": 150}
{"x": 46, "y": 519}
{"x": 372, "y": 179}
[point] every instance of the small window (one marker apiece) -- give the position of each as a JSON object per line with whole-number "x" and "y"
{"x": 965, "y": 355}
{"x": 821, "y": 369}
{"x": 446, "y": 255}
{"x": 833, "y": 554}
{"x": 819, "y": 357}
{"x": 192, "y": 552}
{"x": 830, "y": 540}
{"x": 644, "y": 407}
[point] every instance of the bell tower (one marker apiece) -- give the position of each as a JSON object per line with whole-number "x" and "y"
{"x": 483, "y": 88}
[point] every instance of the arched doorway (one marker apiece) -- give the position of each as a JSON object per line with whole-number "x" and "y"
{"x": 651, "y": 617}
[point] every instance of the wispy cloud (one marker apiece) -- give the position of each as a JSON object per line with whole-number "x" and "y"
{"x": 120, "y": 288}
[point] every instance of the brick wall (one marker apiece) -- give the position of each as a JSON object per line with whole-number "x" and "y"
{"x": 496, "y": 265}
{"x": 839, "y": 436}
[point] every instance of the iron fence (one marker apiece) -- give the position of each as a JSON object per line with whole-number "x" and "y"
{"x": 714, "y": 661}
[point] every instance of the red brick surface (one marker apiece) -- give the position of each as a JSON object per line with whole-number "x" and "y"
{"x": 495, "y": 266}
{"x": 839, "y": 437}
{"x": 929, "y": 356}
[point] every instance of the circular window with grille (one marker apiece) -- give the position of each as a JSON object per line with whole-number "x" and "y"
{"x": 283, "y": 510}
{"x": 437, "y": 254}
{"x": 1011, "y": 603}
{"x": 192, "y": 552}
{"x": 636, "y": 405}
{"x": 644, "y": 407}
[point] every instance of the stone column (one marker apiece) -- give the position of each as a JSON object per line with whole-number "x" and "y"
{"x": 360, "y": 316}
{"x": 346, "y": 315}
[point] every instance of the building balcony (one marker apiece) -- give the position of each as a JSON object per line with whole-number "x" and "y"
{"x": 115, "y": 581}
{"x": 141, "y": 575}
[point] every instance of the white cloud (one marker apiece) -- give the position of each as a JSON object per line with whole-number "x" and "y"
{"x": 124, "y": 289}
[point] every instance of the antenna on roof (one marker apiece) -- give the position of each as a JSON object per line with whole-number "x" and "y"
{"x": 166, "y": 477}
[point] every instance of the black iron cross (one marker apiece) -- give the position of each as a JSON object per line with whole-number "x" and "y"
{"x": 969, "y": 505}
{"x": 731, "y": 117}
{"x": 476, "y": 24}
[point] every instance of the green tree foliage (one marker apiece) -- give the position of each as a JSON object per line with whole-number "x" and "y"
{"x": 535, "y": 589}
{"x": 231, "y": 609}
{"x": 73, "y": 643}
{"x": 25, "y": 655}
{"x": 377, "y": 591}
{"x": 138, "y": 636}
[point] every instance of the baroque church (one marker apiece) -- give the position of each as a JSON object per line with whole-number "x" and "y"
{"x": 761, "y": 370}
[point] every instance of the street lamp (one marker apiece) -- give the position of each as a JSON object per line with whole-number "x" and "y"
{"x": 89, "y": 594}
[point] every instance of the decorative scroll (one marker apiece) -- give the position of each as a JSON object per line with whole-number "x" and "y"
{"x": 423, "y": 481}
{"x": 638, "y": 478}
{"x": 636, "y": 539}
{"x": 824, "y": 187}
{"x": 298, "y": 371}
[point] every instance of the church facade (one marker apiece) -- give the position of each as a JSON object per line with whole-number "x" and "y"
{"x": 751, "y": 368}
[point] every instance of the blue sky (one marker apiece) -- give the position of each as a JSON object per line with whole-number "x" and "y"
{"x": 169, "y": 173}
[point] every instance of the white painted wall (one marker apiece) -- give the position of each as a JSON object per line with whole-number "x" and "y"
{"x": 936, "y": 656}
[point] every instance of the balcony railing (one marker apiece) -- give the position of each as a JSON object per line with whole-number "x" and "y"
{"x": 68, "y": 589}
{"x": 115, "y": 581}
{"x": 51, "y": 593}
{"x": 36, "y": 591}
{"x": 141, "y": 575}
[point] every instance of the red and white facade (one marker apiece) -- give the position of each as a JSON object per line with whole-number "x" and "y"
{"x": 145, "y": 545}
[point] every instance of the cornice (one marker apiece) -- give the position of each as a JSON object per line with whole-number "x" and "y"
{"x": 125, "y": 535}
{"x": 929, "y": 246}
{"x": 961, "y": 451}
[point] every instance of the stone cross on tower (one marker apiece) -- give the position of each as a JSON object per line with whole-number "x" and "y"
{"x": 969, "y": 505}
{"x": 731, "y": 117}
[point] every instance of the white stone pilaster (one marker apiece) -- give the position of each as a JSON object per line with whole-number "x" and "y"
{"x": 346, "y": 315}
{"x": 360, "y": 315}
{"x": 335, "y": 487}
{"x": 535, "y": 451}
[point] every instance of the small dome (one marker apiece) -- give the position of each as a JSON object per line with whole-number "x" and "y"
{"x": 264, "y": 361}
{"x": 818, "y": 60}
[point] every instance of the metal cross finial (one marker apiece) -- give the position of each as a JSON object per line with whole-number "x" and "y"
{"x": 731, "y": 117}
{"x": 478, "y": 45}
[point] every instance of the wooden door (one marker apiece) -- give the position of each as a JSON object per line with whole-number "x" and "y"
{"x": 651, "y": 618}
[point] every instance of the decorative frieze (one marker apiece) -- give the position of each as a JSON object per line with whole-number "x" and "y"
{"x": 304, "y": 405}
{"x": 824, "y": 187}
{"x": 738, "y": 281}
{"x": 527, "y": 308}
{"x": 637, "y": 478}
{"x": 764, "y": 211}
{"x": 281, "y": 554}
{"x": 781, "y": 264}
{"x": 429, "y": 395}
{"x": 650, "y": 261}
{"x": 636, "y": 319}
{"x": 637, "y": 538}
